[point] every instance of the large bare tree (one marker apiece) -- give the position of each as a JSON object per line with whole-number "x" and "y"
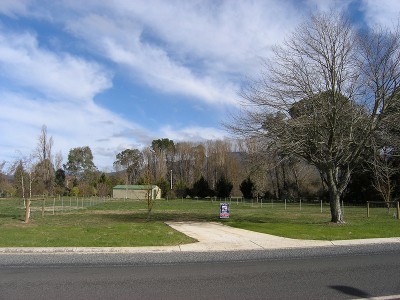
{"x": 323, "y": 96}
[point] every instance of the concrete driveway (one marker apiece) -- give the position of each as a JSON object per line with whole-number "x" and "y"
{"x": 218, "y": 237}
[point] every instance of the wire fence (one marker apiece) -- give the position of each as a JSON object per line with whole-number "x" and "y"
{"x": 299, "y": 205}
{"x": 260, "y": 202}
{"x": 59, "y": 204}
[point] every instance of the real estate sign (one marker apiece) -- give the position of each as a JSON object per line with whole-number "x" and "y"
{"x": 224, "y": 210}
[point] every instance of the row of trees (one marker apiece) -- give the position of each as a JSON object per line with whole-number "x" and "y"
{"x": 213, "y": 168}
{"x": 177, "y": 167}
{"x": 174, "y": 167}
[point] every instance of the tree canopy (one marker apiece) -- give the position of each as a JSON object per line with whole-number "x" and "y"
{"x": 80, "y": 161}
{"x": 132, "y": 161}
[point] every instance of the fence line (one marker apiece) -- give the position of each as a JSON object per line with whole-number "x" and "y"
{"x": 59, "y": 204}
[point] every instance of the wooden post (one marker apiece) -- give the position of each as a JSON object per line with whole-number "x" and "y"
{"x": 398, "y": 210}
{"x": 27, "y": 210}
{"x": 367, "y": 209}
{"x": 43, "y": 203}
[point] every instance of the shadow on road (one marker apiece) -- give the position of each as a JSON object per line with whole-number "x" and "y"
{"x": 348, "y": 290}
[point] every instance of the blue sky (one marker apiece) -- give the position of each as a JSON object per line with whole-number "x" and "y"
{"x": 117, "y": 74}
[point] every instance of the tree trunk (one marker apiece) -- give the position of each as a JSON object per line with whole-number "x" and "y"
{"x": 334, "y": 196}
{"x": 336, "y": 210}
{"x": 274, "y": 190}
{"x": 278, "y": 186}
{"x": 296, "y": 181}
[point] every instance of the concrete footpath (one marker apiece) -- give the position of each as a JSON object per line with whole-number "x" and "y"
{"x": 211, "y": 237}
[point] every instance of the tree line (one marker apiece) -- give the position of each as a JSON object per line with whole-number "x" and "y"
{"x": 186, "y": 169}
{"x": 180, "y": 169}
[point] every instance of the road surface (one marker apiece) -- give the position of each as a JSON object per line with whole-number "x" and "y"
{"x": 322, "y": 273}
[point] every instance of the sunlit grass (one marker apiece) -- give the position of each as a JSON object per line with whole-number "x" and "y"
{"x": 128, "y": 223}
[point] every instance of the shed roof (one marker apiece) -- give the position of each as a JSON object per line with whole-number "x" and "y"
{"x": 134, "y": 187}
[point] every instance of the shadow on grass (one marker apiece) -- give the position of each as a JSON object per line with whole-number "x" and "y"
{"x": 135, "y": 216}
{"x": 10, "y": 215}
{"x": 159, "y": 217}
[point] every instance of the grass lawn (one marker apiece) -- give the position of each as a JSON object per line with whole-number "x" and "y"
{"x": 311, "y": 224}
{"x": 127, "y": 224}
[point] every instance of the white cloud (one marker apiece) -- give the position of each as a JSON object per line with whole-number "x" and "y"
{"x": 382, "y": 12}
{"x": 228, "y": 33}
{"x": 327, "y": 5}
{"x": 13, "y": 7}
{"x": 152, "y": 64}
{"x": 197, "y": 49}
{"x": 70, "y": 125}
{"x": 193, "y": 134}
{"x": 42, "y": 87}
{"x": 55, "y": 75}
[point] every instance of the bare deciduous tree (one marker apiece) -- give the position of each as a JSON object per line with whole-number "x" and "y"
{"x": 44, "y": 167}
{"x": 383, "y": 171}
{"x": 44, "y": 146}
{"x": 58, "y": 160}
{"x": 323, "y": 96}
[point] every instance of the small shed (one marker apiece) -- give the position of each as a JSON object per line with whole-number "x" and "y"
{"x": 137, "y": 192}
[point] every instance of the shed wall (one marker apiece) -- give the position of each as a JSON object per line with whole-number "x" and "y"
{"x": 136, "y": 194}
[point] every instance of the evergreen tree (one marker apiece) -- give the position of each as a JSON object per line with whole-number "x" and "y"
{"x": 223, "y": 187}
{"x": 201, "y": 189}
{"x": 247, "y": 188}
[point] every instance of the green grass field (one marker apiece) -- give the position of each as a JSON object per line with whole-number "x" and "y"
{"x": 128, "y": 224}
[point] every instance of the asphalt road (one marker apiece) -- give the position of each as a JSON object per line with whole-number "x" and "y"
{"x": 321, "y": 273}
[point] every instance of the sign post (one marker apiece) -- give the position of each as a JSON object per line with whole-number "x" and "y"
{"x": 224, "y": 210}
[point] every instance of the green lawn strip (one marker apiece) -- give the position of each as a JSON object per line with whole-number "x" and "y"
{"x": 120, "y": 235}
{"x": 89, "y": 231}
{"x": 310, "y": 223}
{"x": 324, "y": 231}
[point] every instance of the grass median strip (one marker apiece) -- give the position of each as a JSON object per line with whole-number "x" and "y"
{"x": 127, "y": 223}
